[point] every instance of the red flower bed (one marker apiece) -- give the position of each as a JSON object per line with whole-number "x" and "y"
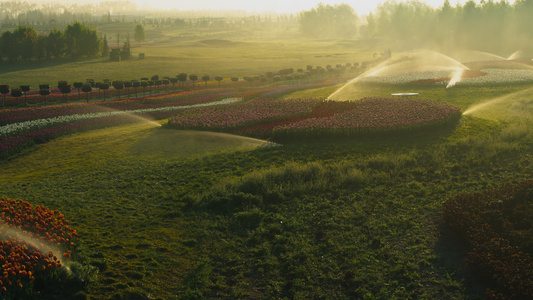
{"x": 9, "y": 116}
{"x": 35, "y": 241}
{"x": 296, "y": 118}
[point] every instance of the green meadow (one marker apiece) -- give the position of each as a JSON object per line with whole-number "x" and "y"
{"x": 169, "y": 214}
{"x": 167, "y": 52}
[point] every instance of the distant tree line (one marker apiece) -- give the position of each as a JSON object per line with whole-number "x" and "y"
{"x": 327, "y": 21}
{"x": 44, "y": 16}
{"x": 497, "y": 27}
{"x": 24, "y": 43}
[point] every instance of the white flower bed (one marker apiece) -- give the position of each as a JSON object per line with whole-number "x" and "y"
{"x": 407, "y": 77}
{"x": 493, "y": 76}
{"x": 17, "y": 128}
{"x": 499, "y": 76}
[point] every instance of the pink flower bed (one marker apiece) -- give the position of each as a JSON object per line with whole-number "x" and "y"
{"x": 295, "y": 118}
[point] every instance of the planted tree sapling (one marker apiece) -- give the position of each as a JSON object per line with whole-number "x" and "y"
{"x": 219, "y": 79}
{"x": 4, "y": 89}
{"x": 87, "y": 88}
{"x": 25, "y": 89}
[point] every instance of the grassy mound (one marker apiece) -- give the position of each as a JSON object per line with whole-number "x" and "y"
{"x": 311, "y": 118}
{"x": 167, "y": 142}
{"x": 216, "y": 42}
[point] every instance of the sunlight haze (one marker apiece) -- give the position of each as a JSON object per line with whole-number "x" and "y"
{"x": 361, "y": 7}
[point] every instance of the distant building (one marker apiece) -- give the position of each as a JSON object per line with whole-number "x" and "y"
{"x": 115, "y": 55}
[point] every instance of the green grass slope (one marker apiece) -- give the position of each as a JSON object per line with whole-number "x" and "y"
{"x": 342, "y": 219}
{"x": 170, "y": 214}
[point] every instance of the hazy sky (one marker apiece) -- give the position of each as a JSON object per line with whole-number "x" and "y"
{"x": 360, "y": 6}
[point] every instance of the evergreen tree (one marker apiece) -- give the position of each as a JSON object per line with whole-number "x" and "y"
{"x": 105, "y": 47}
{"x": 126, "y": 49}
{"x": 139, "y": 35}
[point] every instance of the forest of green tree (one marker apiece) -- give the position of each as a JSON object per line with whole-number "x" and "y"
{"x": 495, "y": 27}
{"x": 47, "y": 15}
{"x": 24, "y": 43}
{"x": 327, "y": 21}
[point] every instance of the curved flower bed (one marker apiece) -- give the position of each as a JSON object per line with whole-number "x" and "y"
{"x": 296, "y": 118}
{"x": 408, "y": 77}
{"x": 10, "y": 116}
{"x": 374, "y": 115}
{"x": 35, "y": 242}
{"x": 22, "y": 128}
{"x": 28, "y": 126}
{"x": 442, "y": 77}
{"x": 18, "y": 136}
{"x": 500, "y": 76}
{"x": 236, "y": 116}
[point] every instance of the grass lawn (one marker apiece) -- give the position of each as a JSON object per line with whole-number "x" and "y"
{"x": 221, "y": 55}
{"x": 357, "y": 218}
{"x": 168, "y": 214}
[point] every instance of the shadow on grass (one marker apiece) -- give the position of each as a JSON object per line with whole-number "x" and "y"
{"x": 453, "y": 254}
{"x": 8, "y": 67}
{"x": 167, "y": 142}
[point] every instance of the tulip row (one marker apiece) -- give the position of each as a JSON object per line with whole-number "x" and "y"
{"x": 24, "y": 127}
{"x": 499, "y": 76}
{"x": 280, "y": 118}
{"x": 9, "y": 116}
{"x": 442, "y": 77}
{"x": 35, "y": 241}
{"x": 18, "y": 136}
{"x": 29, "y": 126}
{"x": 373, "y": 115}
{"x": 235, "y": 116}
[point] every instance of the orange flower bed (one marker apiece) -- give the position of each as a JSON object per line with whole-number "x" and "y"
{"x": 34, "y": 242}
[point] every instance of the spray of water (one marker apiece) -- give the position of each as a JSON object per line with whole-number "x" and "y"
{"x": 475, "y": 56}
{"x": 457, "y": 75}
{"x": 9, "y": 233}
{"x": 436, "y": 59}
{"x": 143, "y": 119}
{"x": 372, "y": 72}
{"x": 515, "y": 55}
{"x": 510, "y": 97}
{"x": 130, "y": 115}
{"x": 174, "y": 143}
{"x": 425, "y": 60}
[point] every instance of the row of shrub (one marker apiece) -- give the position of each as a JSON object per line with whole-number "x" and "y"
{"x": 23, "y": 128}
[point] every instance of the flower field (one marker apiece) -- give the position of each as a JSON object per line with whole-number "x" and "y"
{"x": 18, "y": 136}
{"x": 500, "y": 76}
{"x": 24, "y": 127}
{"x": 296, "y": 118}
{"x": 36, "y": 242}
{"x": 442, "y": 77}
{"x": 237, "y": 116}
{"x": 407, "y": 77}
{"x": 9, "y": 116}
